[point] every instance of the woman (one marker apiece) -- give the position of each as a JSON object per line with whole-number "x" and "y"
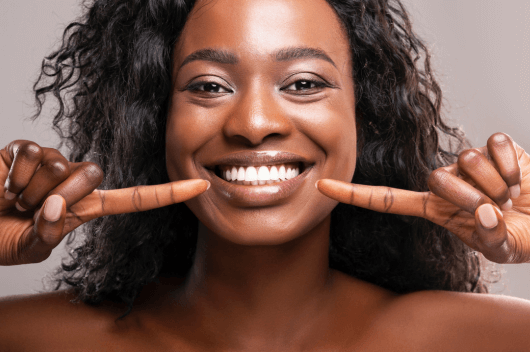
{"x": 258, "y": 100}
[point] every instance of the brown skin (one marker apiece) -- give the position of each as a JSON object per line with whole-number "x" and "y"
{"x": 260, "y": 280}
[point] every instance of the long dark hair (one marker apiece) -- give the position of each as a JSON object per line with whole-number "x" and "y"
{"x": 111, "y": 77}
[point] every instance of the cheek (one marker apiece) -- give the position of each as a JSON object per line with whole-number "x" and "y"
{"x": 332, "y": 127}
{"x": 187, "y": 130}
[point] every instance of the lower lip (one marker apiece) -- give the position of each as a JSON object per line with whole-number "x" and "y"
{"x": 256, "y": 196}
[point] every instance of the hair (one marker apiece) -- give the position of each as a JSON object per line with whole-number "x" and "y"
{"x": 111, "y": 78}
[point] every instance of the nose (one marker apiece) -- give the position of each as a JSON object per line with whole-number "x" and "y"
{"x": 256, "y": 118}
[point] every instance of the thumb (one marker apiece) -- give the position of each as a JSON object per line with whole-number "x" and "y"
{"x": 47, "y": 232}
{"x": 378, "y": 198}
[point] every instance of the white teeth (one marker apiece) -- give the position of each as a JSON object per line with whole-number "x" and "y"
{"x": 259, "y": 175}
{"x": 241, "y": 174}
{"x": 274, "y": 173}
{"x": 251, "y": 174}
{"x": 263, "y": 173}
{"x": 281, "y": 173}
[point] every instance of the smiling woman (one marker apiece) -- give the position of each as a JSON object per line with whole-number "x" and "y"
{"x": 238, "y": 108}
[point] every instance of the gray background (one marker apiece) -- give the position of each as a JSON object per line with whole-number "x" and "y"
{"x": 481, "y": 53}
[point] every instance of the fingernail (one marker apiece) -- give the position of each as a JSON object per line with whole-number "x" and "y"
{"x": 53, "y": 208}
{"x": 507, "y": 206}
{"x": 515, "y": 191}
{"x": 209, "y": 184}
{"x": 9, "y": 195}
{"x": 316, "y": 184}
{"x": 19, "y": 208}
{"x": 487, "y": 216}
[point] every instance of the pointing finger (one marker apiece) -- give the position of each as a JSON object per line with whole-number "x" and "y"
{"x": 140, "y": 198}
{"x": 378, "y": 198}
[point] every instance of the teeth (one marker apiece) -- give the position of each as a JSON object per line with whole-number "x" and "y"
{"x": 274, "y": 173}
{"x": 281, "y": 173}
{"x": 251, "y": 174}
{"x": 259, "y": 175}
{"x": 241, "y": 174}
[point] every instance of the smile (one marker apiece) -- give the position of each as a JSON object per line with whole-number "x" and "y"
{"x": 259, "y": 175}
{"x": 258, "y": 178}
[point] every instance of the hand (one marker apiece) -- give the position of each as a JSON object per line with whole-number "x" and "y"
{"x": 466, "y": 198}
{"x": 45, "y": 197}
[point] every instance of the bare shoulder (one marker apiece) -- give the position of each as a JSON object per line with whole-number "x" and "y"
{"x": 443, "y": 320}
{"x": 50, "y": 321}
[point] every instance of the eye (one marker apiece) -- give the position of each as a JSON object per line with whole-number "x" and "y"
{"x": 207, "y": 87}
{"x": 305, "y": 86}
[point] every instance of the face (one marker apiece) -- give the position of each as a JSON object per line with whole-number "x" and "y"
{"x": 262, "y": 107}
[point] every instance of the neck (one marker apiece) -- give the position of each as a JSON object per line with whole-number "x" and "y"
{"x": 262, "y": 292}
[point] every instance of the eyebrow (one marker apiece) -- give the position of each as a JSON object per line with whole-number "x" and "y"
{"x": 227, "y": 57}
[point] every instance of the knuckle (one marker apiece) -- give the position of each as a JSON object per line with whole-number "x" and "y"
{"x": 469, "y": 156}
{"x": 436, "y": 178}
{"x": 92, "y": 173}
{"x": 29, "y": 151}
{"x": 58, "y": 169}
{"x": 499, "y": 138}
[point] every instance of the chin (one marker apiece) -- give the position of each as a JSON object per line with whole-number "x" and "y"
{"x": 266, "y": 227}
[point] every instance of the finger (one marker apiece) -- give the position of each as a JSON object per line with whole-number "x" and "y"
{"x": 83, "y": 180}
{"x": 139, "y": 198}
{"x": 47, "y": 232}
{"x": 491, "y": 236}
{"x": 54, "y": 170}
{"x": 377, "y": 198}
{"x": 475, "y": 164}
{"x": 502, "y": 150}
{"x": 456, "y": 191}
{"x": 23, "y": 158}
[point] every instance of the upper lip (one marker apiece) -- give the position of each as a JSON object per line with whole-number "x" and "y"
{"x": 258, "y": 158}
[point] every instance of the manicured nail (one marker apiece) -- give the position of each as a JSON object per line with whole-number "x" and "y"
{"x": 53, "y": 208}
{"x": 487, "y": 216}
{"x": 515, "y": 191}
{"x": 507, "y": 206}
{"x": 19, "y": 208}
{"x": 9, "y": 195}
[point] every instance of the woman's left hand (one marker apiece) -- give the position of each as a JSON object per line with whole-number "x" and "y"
{"x": 484, "y": 199}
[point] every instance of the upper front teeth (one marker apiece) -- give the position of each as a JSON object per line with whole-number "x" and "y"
{"x": 260, "y": 175}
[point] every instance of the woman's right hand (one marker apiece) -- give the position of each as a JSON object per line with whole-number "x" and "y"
{"x": 43, "y": 197}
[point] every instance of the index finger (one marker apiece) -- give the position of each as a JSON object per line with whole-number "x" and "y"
{"x": 140, "y": 198}
{"x": 378, "y": 198}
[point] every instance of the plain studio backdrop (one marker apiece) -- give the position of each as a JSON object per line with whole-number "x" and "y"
{"x": 481, "y": 53}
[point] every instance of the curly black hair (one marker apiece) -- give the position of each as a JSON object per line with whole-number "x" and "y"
{"x": 111, "y": 78}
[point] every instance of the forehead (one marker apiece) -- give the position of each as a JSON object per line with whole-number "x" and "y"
{"x": 259, "y": 27}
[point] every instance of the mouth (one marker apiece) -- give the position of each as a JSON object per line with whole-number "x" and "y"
{"x": 258, "y": 178}
{"x": 260, "y": 174}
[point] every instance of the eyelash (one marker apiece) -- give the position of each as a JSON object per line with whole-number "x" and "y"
{"x": 314, "y": 85}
